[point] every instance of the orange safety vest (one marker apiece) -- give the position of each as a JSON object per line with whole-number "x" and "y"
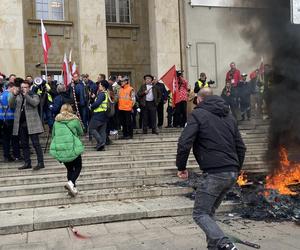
{"x": 125, "y": 100}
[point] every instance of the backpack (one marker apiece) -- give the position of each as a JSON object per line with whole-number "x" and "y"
{"x": 110, "y": 112}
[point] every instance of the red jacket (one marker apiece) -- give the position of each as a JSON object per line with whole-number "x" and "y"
{"x": 181, "y": 93}
{"x": 234, "y": 77}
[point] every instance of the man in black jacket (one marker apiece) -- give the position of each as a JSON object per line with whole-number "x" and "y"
{"x": 219, "y": 151}
{"x": 149, "y": 97}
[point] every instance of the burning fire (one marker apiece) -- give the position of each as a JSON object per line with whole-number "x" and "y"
{"x": 287, "y": 174}
{"x": 242, "y": 179}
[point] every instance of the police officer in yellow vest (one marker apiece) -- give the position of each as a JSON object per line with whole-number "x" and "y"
{"x": 201, "y": 83}
{"x": 99, "y": 118}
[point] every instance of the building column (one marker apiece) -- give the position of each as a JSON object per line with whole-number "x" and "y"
{"x": 164, "y": 35}
{"x": 12, "y": 38}
{"x": 92, "y": 37}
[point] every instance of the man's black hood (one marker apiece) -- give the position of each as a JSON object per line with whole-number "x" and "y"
{"x": 215, "y": 105}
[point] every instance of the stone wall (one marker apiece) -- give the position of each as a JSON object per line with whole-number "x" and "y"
{"x": 11, "y": 41}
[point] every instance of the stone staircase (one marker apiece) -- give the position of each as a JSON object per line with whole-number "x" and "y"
{"x": 132, "y": 179}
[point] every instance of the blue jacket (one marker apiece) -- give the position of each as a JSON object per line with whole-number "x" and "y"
{"x": 6, "y": 113}
{"x": 80, "y": 94}
{"x": 59, "y": 100}
{"x": 92, "y": 86}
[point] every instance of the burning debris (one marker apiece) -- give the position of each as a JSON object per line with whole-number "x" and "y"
{"x": 285, "y": 176}
{"x": 275, "y": 197}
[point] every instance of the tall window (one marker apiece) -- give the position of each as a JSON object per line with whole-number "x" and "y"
{"x": 49, "y": 9}
{"x": 117, "y": 11}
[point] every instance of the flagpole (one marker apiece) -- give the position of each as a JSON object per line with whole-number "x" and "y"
{"x": 46, "y": 73}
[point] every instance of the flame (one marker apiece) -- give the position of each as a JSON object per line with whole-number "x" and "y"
{"x": 242, "y": 179}
{"x": 287, "y": 174}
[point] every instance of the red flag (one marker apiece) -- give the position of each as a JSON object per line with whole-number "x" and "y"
{"x": 45, "y": 41}
{"x": 170, "y": 78}
{"x": 66, "y": 70}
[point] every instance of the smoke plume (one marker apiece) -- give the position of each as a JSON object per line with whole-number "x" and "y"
{"x": 270, "y": 30}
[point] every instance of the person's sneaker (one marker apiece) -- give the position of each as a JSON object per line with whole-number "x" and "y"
{"x": 228, "y": 246}
{"x": 101, "y": 148}
{"x": 113, "y": 132}
{"x": 25, "y": 166}
{"x": 39, "y": 166}
{"x": 70, "y": 187}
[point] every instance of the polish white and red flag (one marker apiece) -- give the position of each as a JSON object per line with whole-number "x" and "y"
{"x": 66, "y": 71}
{"x": 45, "y": 41}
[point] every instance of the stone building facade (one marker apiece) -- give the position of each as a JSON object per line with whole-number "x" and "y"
{"x": 132, "y": 37}
{"x": 106, "y": 36}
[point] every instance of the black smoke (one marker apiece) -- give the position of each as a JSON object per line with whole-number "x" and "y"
{"x": 269, "y": 30}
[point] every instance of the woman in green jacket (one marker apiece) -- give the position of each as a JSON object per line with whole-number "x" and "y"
{"x": 66, "y": 146}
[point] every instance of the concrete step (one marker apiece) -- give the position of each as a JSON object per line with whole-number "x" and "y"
{"x": 40, "y": 218}
{"x": 147, "y": 156}
{"x": 93, "y": 184}
{"x": 56, "y": 167}
{"x": 58, "y": 199}
{"x": 28, "y": 177}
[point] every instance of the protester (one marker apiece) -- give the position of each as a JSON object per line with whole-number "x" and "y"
{"x": 114, "y": 88}
{"x": 201, "y": 83}
{"x": 170, "y": 110}
{"x": 229, "y": 96}
{"x": 181, "y": 97}
{"x": 126, "y": 103}
{"x": 81, "y": 100}
{"x": 233, "y": 75}
{"x": 99, "y": 119}
{"x": 244, "y": 92}
{"x": 27, "y": 122}
{"x": 163, "y": 101}
{"x": 149, "y": 97}
{"x": 219, "y": 151}
{"x": 51, "y": 92}
{"x": 66, "y": 146}
{"x": 64, "y": 96}
{"x": 6, "y": 125}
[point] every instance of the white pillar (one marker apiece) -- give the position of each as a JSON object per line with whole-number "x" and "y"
{"x": 92, "y": 37}
{"x": 12, "y": 59}
{"x": 164, "y": 35}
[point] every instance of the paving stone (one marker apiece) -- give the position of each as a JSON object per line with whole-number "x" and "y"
{"x": 52, "y": 238}
{"x": 151, "y": 234}
{"x": 190, "y": 229}
{"x": 30, "y": 246}
{"x": 13, "y": 239}
{"x": 125, "y": 227}
{"x": 159, "y": 222}
{"x": 92, "y": 230}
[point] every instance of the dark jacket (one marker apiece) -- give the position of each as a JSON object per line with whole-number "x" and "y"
{"x": 245, "y": 90}
{"x": 229, "y": 95}
{"x": 62, "y": 98}
{"x": 142, "y": 96}
{"x": 92, "y": 86}
{"x": 80, "y": 92}
{"x": 163, "y": 91}
{"x": 214, "y": 136}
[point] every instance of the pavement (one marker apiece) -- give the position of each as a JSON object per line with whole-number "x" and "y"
{"x": 160, "y": 233}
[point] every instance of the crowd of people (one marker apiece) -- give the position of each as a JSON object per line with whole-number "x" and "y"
{"x": 104, "y": 108}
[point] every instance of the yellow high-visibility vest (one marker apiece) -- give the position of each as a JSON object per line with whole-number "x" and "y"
{"x": 202, "y": 85}
{"x": 103, "y": 106}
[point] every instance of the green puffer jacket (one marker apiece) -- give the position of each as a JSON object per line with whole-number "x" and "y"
{"x": 66, "y": 145}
